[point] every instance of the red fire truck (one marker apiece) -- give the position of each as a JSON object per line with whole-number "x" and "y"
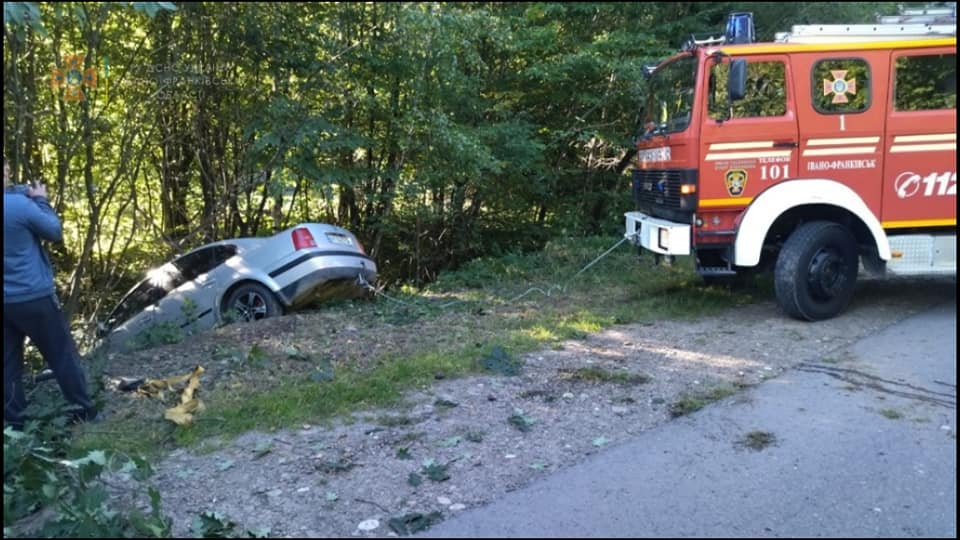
{"x": 826, "y": 152}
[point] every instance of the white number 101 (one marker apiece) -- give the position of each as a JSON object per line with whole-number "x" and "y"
{"x": 774, "y": 172}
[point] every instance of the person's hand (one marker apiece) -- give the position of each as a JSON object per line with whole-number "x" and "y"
{"x": 37, "y": 190}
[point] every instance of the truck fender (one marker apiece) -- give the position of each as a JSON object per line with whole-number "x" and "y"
{"x": 777, "y": 199}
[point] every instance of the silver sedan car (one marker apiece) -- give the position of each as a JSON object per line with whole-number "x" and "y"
{"x": 242, "y": 279}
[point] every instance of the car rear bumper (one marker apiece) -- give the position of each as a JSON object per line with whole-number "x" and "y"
{"x": 320, "y": 276}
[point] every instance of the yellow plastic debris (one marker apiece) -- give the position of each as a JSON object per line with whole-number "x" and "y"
{"x": 182, "y": 414}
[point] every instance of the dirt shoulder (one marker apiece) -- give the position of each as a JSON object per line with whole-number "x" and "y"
{"x": 486, "y": 435}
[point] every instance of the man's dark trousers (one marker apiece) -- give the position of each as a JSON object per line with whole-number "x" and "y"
{"x": 43, "y": 322}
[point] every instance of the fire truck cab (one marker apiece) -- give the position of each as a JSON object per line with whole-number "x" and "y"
{"x": 828, "y": 152}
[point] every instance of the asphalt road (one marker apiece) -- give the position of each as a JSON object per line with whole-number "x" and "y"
{"x": 865, "y": 447}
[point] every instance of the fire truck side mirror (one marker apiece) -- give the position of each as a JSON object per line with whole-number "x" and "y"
{"x": 737, "y": 85}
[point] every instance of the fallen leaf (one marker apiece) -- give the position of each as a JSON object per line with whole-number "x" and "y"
{"x": 262, "y": 449}
{"x": 413, "y": 523}
{"x": 436, "y": 472}
{"x": 452, "y": 441}
{"x": 294, "y": 353}
{"x": 521, "y": 422}
{"x": 445, "y": 403}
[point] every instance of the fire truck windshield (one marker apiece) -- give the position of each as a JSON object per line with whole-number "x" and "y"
{"x": 670, "y": 96}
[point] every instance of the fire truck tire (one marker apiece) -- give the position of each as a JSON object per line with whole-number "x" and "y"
{"x": 816, "y": 271}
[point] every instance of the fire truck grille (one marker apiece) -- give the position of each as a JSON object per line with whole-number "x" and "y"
{"x": 659, "y": 189}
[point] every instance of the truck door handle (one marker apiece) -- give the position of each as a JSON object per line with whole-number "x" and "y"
{"x": 784, "y": 144}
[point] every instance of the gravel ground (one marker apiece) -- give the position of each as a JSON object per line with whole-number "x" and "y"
{"x": 496, "y": 433}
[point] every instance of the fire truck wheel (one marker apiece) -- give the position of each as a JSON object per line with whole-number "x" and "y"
{"x": 816, "y": 271}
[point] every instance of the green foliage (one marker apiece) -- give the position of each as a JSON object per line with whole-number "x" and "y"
{"x": 766, "y": 93}
{"x": 38, "y": 476}
{"x": 165, "y": 333}
{"x": 256, "y": 356}
{"x": 926, "y": 82}
{"x": 23, "y": 14}
{"x": 216, "y": 525}
{"x": 413, "y": 523}
{"x": 521, "y": 421}
{"x": 152, "y": 8}
{"x": 438, "y": 133}
{"x": 692, "y": 402}
{"x": 435, "y": 471}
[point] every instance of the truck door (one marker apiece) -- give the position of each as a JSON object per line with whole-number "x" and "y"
{"x": 920, "y": 173}
{"x": 842, "y": 119}
{"x": 751, "y": 145}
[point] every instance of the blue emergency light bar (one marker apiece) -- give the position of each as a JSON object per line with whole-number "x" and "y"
{"x": 739, "y": 28}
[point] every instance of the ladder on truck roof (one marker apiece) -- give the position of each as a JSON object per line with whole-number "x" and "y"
{"x": 926, "y": 23}
{"x": 940, "y": 15}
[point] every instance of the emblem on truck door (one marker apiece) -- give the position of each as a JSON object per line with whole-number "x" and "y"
{"x": 839, "y": 86}
{"x": 736, "y": 181}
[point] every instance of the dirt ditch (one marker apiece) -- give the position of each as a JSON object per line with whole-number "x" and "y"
{"x": 465, "y": 442}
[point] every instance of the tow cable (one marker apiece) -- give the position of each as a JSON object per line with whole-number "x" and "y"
{"x": 361, "y": 281}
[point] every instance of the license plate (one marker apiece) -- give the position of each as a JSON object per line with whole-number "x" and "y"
{"x": 342, "y": 239}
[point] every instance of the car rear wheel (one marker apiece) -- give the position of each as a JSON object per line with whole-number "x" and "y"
{"x": 251, "y": 302}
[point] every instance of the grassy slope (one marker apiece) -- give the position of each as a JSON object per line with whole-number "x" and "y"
{"x": 447, "y": 328}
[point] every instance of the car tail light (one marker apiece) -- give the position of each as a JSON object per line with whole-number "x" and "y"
{"x": 302, "y": 239}
{"x": 360, "y": 247}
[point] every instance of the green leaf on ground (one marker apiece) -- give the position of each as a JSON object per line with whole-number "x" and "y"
{"x": 323, "y": 372}
{"x": 413, "y": 523}
{"x": 451, "y": 442}
{"x": 262, "y": 449}
{"x": 521, "y": 421}
{"x": 213, "y": 525}
{"x": 294, "y": 353}
{"x": 257, "y": 355}
{"x": 437, "y": 472}
{"x": 334, "y": 467}
{"x": 445, "y": 404}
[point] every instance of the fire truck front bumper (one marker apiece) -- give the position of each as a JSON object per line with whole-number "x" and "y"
{"x": 657, "y": 235}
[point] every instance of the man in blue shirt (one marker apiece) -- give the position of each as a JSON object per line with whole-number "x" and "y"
{"x": 30, "y": 306}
